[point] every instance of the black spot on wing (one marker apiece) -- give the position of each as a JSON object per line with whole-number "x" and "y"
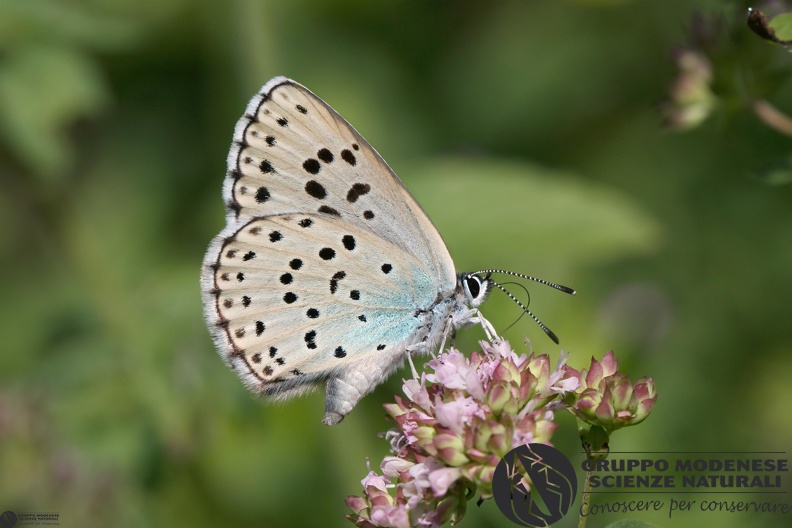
{"x": 266, "y": 167}
{"x": 310, "y": 339}
{"x": 312, "y": 166}
{"x": 349, "y": 242}
{"x": 357, "y": 190}
{"x": 347, "y": 156}
{"x": 329, "y": 210}
{"x": 262, "y": 195}
{"x": 334, "y": 281}
{"x": 325, "y": 155}
{"x": 315, "y": 189}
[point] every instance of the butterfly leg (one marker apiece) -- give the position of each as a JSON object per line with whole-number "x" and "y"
{"x": 450, "y": 331}
{"x": 412, "y": 366}
{"x": 472, "y": 317}
{"x": 489, "y": 330}
{"x": 442, "y": 343}
{"x": 451, "y": 334}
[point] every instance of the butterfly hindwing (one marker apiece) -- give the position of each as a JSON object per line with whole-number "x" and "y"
{"x": 301, "y": 296}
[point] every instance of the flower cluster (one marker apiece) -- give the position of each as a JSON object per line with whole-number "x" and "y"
{"x": 452, "y": 429}
{"x": 458, "y": 421}
{"x": 690, "y": 97}
{"x": 609, "y": 399}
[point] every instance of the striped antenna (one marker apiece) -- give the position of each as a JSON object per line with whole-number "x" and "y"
{"x": 525, "y": 309}
{"x": 488, "y": 273}
{"x": 558, "y": 287}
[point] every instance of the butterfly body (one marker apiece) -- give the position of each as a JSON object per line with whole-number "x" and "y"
{"x": 328, "y": 270}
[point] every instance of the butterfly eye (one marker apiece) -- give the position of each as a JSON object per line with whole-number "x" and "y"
{"x": 476, "y": 289}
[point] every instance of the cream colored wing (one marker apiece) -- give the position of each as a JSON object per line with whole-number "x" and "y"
{"x": 292, "y": 153}
{"x": 295, "y": 298}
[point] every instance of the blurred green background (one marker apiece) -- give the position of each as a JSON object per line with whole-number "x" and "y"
{"x": 529, "y": 130}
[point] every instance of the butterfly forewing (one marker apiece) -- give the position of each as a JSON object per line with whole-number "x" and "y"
{"x": 293, "y": 153}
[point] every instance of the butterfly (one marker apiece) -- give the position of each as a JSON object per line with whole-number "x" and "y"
{"x": 328, "y": 271}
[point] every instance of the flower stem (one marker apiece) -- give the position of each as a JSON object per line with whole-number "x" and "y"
{"x": 773, "y": 117}
{"x": 585, "y": 504}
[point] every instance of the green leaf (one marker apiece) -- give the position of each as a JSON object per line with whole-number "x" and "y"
{"x": 782, "y": 24}
{"x": 493, "y": 212}
{"x": 42, "y": 90}
{"x": 52, "y": 21}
